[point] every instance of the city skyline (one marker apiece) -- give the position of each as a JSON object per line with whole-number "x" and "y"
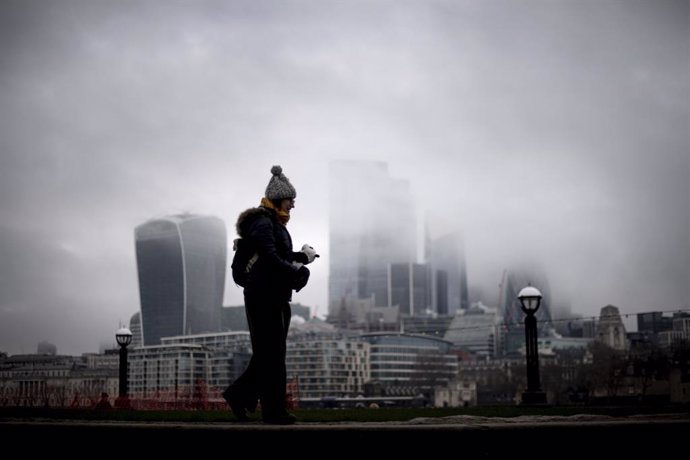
{"x": 552, "y": 133}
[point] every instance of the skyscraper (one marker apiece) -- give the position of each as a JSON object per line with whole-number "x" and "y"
{"x": 181, "y": 262}
{"x": 410, "y": 288}
{"x": 135, "y": 329}
{"x": 440, "y": 292}
{"x": 447, "y": 253}
{"x": 372, "y": 225}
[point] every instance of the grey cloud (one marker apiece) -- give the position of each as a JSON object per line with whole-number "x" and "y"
{"x": 552, "y": 130}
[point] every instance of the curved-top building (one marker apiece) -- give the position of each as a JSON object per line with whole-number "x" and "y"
{"x": 181, "y": 263}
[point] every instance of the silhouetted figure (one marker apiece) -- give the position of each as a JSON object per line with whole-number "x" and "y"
{"x": 104, "y": 403}
{"x": 270, "y": 278}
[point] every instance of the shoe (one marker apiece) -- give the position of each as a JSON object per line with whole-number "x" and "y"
{"x": 251, "y": 406}
{"x": 236, "y": 406}
{"x": 280, "y": 419}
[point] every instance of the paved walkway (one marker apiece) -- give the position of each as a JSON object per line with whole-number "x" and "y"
{"x": 578, "y": 436}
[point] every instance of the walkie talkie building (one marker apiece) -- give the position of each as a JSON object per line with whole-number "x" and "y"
{"x": 181, "y": 262}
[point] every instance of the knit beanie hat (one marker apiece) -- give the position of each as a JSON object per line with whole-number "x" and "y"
{"x": 279, "y": 187}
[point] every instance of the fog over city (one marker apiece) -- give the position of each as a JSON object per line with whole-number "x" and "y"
{"x": 551, "y": 133}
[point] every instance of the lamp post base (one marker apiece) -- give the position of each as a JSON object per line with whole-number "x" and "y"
{"x": 530, "y": 398}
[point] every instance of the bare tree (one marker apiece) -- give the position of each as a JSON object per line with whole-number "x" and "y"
{"x": 608, "y": 369}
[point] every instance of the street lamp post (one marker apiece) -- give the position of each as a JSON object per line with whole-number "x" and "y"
{"x": 530, "y": 299}
{"x": 124, "y": 338}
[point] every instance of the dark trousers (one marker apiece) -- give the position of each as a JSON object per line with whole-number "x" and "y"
{"x": 265, "y": 377}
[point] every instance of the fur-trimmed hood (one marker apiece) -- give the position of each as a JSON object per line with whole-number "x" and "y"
{"x": 273, "y": 274}
{"x": 248, "y": 216}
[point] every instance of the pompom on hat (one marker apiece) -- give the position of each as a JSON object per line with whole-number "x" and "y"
{"x": 279, "y": 187}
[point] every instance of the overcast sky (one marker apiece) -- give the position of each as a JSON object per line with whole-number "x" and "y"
{"x": 549, "y": 131}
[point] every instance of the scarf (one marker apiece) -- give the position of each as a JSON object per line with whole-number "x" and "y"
{"x": 283, "y": 216}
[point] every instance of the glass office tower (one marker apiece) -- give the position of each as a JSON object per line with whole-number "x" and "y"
{"x": 410, "y": 288}
{"x": 181, "y": 262}
{"x": 447, "y": 253}
{"x": 372, "y": 225}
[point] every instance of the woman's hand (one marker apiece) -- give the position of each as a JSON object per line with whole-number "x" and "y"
{"x": 310, "y": 252}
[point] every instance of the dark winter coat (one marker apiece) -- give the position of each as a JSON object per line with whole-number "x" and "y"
{"x": 273, "y": 273}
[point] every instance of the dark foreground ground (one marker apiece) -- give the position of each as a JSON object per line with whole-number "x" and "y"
{"x": 619, "y": 435}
